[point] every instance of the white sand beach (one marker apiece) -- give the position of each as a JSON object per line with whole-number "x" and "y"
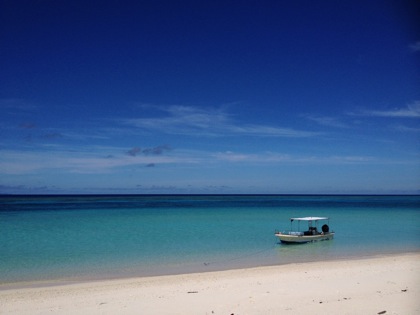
{"x": 380, "y": 285}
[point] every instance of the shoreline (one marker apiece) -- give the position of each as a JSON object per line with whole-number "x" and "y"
{"x": 69, "y": 280}
{"x": 64, "y": 281}
{"x": 367, "y": 285}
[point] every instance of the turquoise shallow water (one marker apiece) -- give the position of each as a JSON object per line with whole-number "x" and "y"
{"x": 95, "y": 237}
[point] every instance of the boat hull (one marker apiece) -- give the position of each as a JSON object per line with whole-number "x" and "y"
{"x": 300, "y": 239}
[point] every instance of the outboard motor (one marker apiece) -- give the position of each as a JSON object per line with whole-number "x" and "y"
{"x": 325, "y": 228}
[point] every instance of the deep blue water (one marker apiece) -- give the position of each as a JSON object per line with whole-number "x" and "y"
{"x": 94, "y": 237}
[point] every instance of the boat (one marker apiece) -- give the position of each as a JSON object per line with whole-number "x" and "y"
{"x": 312, "y": 234}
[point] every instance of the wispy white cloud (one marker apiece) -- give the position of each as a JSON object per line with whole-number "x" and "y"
{"x": 415, "y": 47}
{"x": 269, "y": 131}
{"x": 411, "y": 111}
{"x": 192, "y": 121}
{"x": 406, "y": 128}
{"x": 271, "y": 157}
{"x": 230, "y": 156}
{"x": 114, "y": 160}
{"x": 16, "y": 105}
{"x": 182, "y": 120}
{"x": 328, "y": 121}
{"x": 77, "y": 160}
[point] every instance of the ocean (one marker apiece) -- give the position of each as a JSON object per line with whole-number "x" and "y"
{"x": 80, "y": 238}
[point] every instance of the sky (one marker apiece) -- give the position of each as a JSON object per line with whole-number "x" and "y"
{"x": 209, "y": 97}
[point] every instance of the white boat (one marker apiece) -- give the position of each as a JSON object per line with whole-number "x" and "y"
{"x": 312, "y": 234}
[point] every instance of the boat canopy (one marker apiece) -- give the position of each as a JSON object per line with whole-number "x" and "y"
{"x": 309, "y": 219}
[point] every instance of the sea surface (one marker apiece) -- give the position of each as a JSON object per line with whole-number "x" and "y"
{"x": 77, "y": 238}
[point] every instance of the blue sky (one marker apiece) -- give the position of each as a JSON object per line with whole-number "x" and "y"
{"x": 209, "y": 97}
